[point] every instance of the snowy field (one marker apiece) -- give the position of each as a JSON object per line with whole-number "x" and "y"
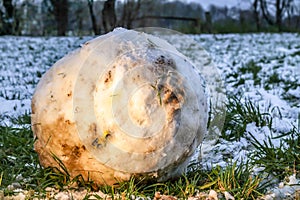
{"x": 23, "y": 61}
{"x": 263, "y": 68}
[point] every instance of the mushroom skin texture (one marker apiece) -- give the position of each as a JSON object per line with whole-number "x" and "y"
{"x": 124, "y": 104}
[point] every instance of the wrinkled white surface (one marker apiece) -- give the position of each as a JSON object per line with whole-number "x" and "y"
{"x": 126, "y": 103}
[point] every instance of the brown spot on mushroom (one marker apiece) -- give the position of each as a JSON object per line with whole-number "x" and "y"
{"x": 93, "y": 128}
{"x": 170, "y": 97}
{"x": 108, "y": 136}
{"x": 93, "y": 89}
{"x": 76, "y": 152}
{"x": 69, "y": 94}
{"x": 108, "y": 77}
{"x": 56, "y": 141}
{"x": 160, "y": 60}
{"x": 72, "y": 152}
{"x": 63, "y": 75}
{"x": 170, "y": 62}
{"x": 163, "y": 61}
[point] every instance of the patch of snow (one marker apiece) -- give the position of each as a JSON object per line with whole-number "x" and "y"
{"x": 284, "y": 190}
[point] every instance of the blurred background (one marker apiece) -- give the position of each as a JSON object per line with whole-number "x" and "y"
{"x": 94, "y": 17}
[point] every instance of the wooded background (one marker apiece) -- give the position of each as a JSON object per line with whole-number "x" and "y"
{"x": 86, "y": 17}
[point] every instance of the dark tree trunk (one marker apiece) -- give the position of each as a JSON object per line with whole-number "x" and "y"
{"x": 93, "y": 18}
{"x": 8, "y": 20}
{"x": 289, "y": 14}
{"x": 256, "y": 15}
{"x": 9, "y": 8}
{"x": 109, "y": 18}
{"x": 278, "y": 15}
{"x": 208, "y": 22}
{"x": 60, "y": 10}
{"x": 280, "y": 6}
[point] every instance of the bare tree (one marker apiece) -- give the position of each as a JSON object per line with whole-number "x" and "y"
{"x": 60, "y": 10}
{"x": 130, "y": 12}
{"x": 109, "y": 18}
{"x": 279, "y": 7}
{"x": 93, "y": 18}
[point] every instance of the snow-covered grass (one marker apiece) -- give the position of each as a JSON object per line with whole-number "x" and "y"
{"x": 254, "y": 154}
{"x": 23, "y": 60}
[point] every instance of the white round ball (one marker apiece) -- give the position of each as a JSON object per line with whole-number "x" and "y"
{"x": 124, "y": 104}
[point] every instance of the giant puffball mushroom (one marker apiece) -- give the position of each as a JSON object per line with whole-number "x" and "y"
{"x": 124, "y": 104}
